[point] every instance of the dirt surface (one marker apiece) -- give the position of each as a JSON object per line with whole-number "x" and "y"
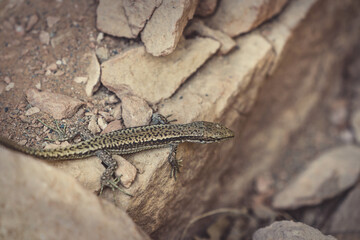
{"x": 25, "y": 61}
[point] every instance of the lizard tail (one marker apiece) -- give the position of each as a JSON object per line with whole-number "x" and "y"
{"x": 13, "y": 145}
{"x": 70, "y": 152}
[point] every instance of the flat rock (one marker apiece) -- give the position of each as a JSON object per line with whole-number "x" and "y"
{"x": 57, "y": 105}
{"x": 41, "y": 202}
{"x": 198, "y": 26}
{"x": 135, "y": 111}
{"x": 126, "y": 170}
{"x": 289, "y": 230}
{"x": 165, "y": 27}
{"x": 236, "y": 17}
{"x": 123, "y": 18}
{"x": 346, "y": 218}
{"x": 155, "y": 78}
{"x": 113, "y": 126}
{"x": 327, "y": 176}
{"x": 93, "y": 71}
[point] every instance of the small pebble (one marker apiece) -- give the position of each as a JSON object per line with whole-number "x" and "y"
{"x": 117, "y": 111}
{"x": 52, "y": 67}
{"x": 102, "y": 123}
{"x": 44, "y": 37}
{"x": 112, "y": 99}
{"x": 93, "y": 127}
{"x": 80, "y": 79}
{"x": 51, "y": 21}
{"x": 32, "y": 21}
{"x": 100, "y": 37}
{"x": 7, "y": 80}
{"x": 38, "y": 85}
{"x": 32, "y": 111}
{"x": 58, "y": 62}
{"x": 9, "y": 86}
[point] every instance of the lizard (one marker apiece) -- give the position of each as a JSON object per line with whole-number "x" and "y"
{"x": 131, "y": 140}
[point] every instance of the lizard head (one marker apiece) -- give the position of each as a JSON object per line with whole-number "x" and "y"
{"x": 214, "y": 132}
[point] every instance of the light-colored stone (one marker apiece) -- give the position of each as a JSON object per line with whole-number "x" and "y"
{"x": 206, "y": 92}
{"x": 102, "y": 53}
{"x": 236, "y": 17}
{"x": 44, "y": 37}
{"x": 135, "y": 111}
{"x": 327, "y": 176}
{"x": 290, "y": 230}
{"x": 9, "y": 86}
{"x": 93, "y": 71}
{"x": 112, "y": 126}
{"x": 80, "y": 79}
{"x": 165, "y": 27}
{"x": 102, "y": 123}
{"x": 117, "y": 111}
{"x": 61, "y": 38}
{"x": 52, "y": 67}
{"x": 7, "y": 79}
{"x": 155, "y": 78}
{"x": 51, "y": 21}
{"x": 112, "y": 99}
{"x": 126, "y": 170}
{"x": 107, "y": 116}
{"x": 124, "y": 18}
{"x": 206, "y": 7}
{"x": 57, "y": 105}
{"x": 32, "y": 111}
{"x": 100, "y": 37}
{"x": 355, "y": 122}
{"x": 227, "y": 43}
{"x": 32, "y": 21}
{"x": 41, "y": 202}
{"x": 93, "y": 126}
{"x": 38, "y": 85}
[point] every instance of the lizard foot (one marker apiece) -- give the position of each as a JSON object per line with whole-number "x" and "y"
{"x": 113, "y": 184}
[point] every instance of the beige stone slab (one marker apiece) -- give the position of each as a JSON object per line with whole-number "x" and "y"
{"x": 156, "y": 78}
{"x": 236, "y": 17}
{"x": 41, "y": 202}
{"x": 164, "y": 29}
{"x": 123, "y": 18}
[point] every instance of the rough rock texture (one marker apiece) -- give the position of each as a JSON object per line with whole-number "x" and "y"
{"x": 327, "y": 176}
{"x": 41, "y": 202}
{"x": 301, "y": 65}
{"x": 344, "y": 222}
{"x": 285, "y": 67}
{"x": 236, "y": 17}
{"x": 197, "y": 26}
{"x": 156, "y": 78}
{"x": 289, "y": 230}
{"x": 123, "y": 18}
{"x": 164, "y": 30}
{"x": 57, "y": 105}
{"x": 135, "y": 111}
